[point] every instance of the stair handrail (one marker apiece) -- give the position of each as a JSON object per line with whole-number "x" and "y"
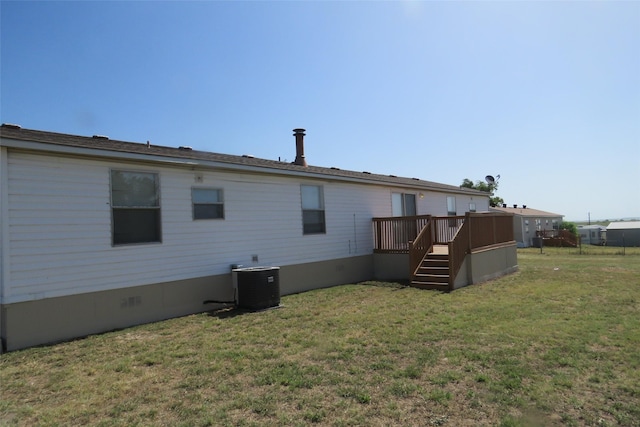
{"x": 419, "y": 247}
{"x": 569, "y": 237}
{"x": 458, "y": 248}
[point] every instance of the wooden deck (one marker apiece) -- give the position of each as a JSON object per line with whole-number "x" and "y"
{"x": 438, "y": 246}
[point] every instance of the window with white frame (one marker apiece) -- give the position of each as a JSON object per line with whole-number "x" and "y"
{"x": 313, "y": 220}
{"x": 135, "y": 207}
{"x": 208, "y": 203}
{"x": 472, "y": 207}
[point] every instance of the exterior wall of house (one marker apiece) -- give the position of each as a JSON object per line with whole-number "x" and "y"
{"x": 525, "y": 223}
{"x": 63, "y": 278}
{"x": 629, "y": 237}
{"x": 521, "y": 232}
{"x": 391, "y": 267}
{"x": 4, "y": 234}
{"x": 435, "y": 203}
{"x": 60, "y": 227}
{"x": 525, "y": 227}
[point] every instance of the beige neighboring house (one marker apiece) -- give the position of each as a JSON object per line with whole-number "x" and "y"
{"x": 527, "y": 222}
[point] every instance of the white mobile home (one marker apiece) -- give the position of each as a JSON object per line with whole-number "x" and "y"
{"x": 98, "y": 234}
{"x": 593, "y": 234}
{"x": 530, "y": 223}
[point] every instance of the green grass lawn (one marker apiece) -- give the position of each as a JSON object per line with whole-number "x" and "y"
{"x": 557, "y": 343}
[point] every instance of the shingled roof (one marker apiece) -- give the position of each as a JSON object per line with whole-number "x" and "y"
{"x": 13, "y": 132}
{"x": 524, "y": 211}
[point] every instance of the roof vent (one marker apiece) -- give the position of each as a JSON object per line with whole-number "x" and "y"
{"x": 504, "y": 205}
{"x": 335, "y": 168}
{"x": 524, "y": 206}
{"x": 416, "y": 179}
{"x": 100, "y": 137}
{"x": 11, "y": 126}
{"x": 185, "y": 147}
{"x": 515, "y": 206}
{"x": 393, "y": 176}
{"x": 248, "y": 156}
{"x": 368, "y": 173}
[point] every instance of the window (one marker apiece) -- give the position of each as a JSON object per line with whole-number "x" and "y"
{"x": 472, "y": 207}
{"x": 312, "y": 209}
{"x": 451, "y": 210}
{"x": 135, "y": 207}
{"x": 403, "y": 204}
{"x": 207, "y": 203}
{"x": 451, "y": 205}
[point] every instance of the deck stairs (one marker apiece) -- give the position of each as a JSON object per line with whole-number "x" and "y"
{"x": 433, "y": 272}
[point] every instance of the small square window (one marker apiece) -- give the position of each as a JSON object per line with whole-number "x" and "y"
{"x": 208, "y": 203}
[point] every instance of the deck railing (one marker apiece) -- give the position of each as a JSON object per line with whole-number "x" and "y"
{"x": 445, "y": 228}
{"x": 480, "y": 230}
{"x": 422, "y": 245}
{"x": 392, "y": 234}
{"x": 458, "y": 249}
{"x": 558, "y": 238}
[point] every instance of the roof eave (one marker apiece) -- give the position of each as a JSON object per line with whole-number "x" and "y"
{"x": 194, "y": 163}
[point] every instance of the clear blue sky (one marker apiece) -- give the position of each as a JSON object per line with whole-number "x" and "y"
{"x": 546, "y": 94}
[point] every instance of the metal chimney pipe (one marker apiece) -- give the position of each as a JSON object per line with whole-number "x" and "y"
{"x": 300, "y": 160}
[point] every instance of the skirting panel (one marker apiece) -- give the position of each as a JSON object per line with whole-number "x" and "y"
{"x": 50, "y": 320}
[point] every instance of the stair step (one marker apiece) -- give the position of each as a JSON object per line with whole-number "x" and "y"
{"x": 435, "y": 264}
{"x": 434, "y": 270}
{"x": 437, "y": 278}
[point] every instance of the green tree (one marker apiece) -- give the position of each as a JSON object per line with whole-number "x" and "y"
{"x": 569, "y": 226}
{"x": 487, "y": 188}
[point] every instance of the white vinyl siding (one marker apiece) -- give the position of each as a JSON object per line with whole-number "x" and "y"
{"x": 59, "y": 227}
{"x": 59, "y": 238}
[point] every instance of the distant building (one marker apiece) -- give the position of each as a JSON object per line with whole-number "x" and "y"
{"x": 528, "y": 223}
{"x": 593, "y": 234}
{"x": 624, "y": 233}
